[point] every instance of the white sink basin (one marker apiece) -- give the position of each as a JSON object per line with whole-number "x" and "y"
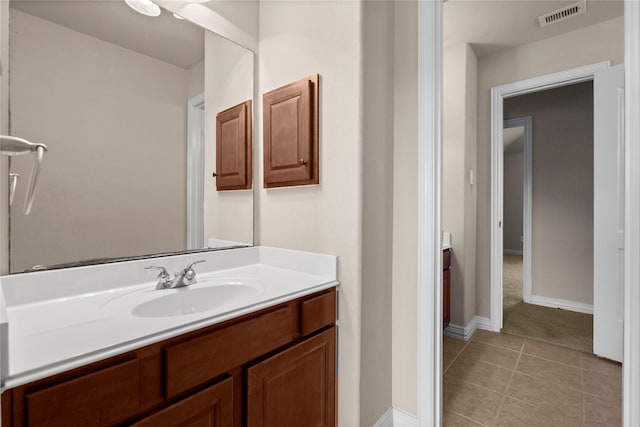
{"x": 206, "y": 295}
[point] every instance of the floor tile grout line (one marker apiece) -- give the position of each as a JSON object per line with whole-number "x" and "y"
{"x": 466, "y": 344}
{"x": 506, "y": 390}
{"x": 551, "y": 360}
{"x": 548, "y": 381}
{"x": 539, "y": 406}
{"x": 468, "y": 418}
{"x": 502, "y": 393}
{"x": 606, "y": 399}
{"x": 498, "y": 346}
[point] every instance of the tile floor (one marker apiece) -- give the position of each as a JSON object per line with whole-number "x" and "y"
{"x": 504, "y": 380}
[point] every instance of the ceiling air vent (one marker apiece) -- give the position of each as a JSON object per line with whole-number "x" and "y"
{"x": 564, "y": 13}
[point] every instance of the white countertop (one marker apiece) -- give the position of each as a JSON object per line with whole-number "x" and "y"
{"x": 72, "y": 326}
{"x": 446, "y": 240}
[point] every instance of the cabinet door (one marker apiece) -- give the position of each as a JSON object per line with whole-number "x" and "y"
{"x": 290, "y": 126}
{"x": 446, "y": 297}
{"x": 212, "y": 407}
{"x": 295, "y": 387}
{"x": 234, "y": 162}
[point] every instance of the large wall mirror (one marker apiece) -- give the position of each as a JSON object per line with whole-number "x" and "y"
{"x": 126, "y": 104}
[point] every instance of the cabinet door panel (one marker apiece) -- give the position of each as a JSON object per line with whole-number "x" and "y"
{"x": 446, "y": 297}
{"x": 234, "y": 148}
{"x": 296, "y": 387}
{"x": 290, "y": 125}
{"x": 212, "y": 407}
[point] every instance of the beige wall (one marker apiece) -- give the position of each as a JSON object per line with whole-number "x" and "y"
{"x": 513, "y": 200}
{"x": 229, "y": 82}
{"x": 405, "y": 207}
{"x": 562, "y": 205}
{"x": 137, "y": 111}
{"x": 600, "y": 42}
{"x": 298, "y": 39}
{"x": 195, "y": 83}
{"x": 459, "y": 196}
{"x": 376, "y": 378}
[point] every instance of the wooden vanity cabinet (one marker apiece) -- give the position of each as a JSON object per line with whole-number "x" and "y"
{"x": 295, "y": 387}
{"x": 211, "y": 407}
{"x": 446, "y": 287}
{"x": 275, "y": 367}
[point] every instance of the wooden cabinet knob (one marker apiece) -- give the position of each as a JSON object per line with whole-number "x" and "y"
{"x": 302, "y": 162}
{"x": 214, "y": 174}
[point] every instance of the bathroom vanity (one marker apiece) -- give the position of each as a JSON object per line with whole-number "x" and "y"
{"x": 264, "y": 358}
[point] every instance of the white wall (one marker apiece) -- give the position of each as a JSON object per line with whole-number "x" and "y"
{"x": 600, "y": 42}
{"x": 459, "y": 196}
{"x": 376, "y": 377}
{"x": 513, "y": 200}
{"x": 229, "y": 82}
{"x": 138, "y": 111}
{"x": 562, "y": 199}
{"x": 298, "y": 39}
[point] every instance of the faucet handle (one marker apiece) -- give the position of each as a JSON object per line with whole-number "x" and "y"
{"x": 190, "y": 274}
{"x": 191, "y": 264}
{"x": 164, "y": 274}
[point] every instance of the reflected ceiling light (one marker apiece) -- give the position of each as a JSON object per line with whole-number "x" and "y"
{"x": 175, "y": 15}
{"x": 145, "y": 7}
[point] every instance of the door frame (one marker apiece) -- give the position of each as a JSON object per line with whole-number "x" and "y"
{"x": 429, "y": 300}
{"x": 195, "y": 172}
{"x": 498, "y": 95}
{"x": 527, "y": 199}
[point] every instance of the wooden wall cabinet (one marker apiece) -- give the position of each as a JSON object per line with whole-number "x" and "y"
{"x": 272, "y": 368}
{"x": 290, "y": 124}
{"x": 234, "y": 154}
{"x": 446, "y": 287}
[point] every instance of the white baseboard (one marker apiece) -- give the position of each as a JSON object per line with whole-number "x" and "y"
{"x": 561, "y": 303}
{"x": 386, "y": 420}
{"x": 403, "y": 419}
{"x": 512, "y": 252}
{"x": 396, "y": 418}
{"x": 466, "y": 332}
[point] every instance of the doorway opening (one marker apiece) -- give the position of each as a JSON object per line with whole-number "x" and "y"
{"x": 430, "y": 82}
{"x": 548, "y": 232}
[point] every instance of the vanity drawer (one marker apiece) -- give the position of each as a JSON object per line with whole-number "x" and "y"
{"x": 318, "y": 312}
{"x": 102, "y": 398}
{"x": 201, "y": 359}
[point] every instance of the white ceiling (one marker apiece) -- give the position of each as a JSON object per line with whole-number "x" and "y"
{"x": 491, "y": 26}
{"x": 513, "y": 140}
{"x": 174, "y": 41}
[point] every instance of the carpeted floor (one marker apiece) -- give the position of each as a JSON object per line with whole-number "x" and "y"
{"x": 555, "y": 326}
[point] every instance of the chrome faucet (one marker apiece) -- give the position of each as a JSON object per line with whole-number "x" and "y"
{"x": 180, "y": 279}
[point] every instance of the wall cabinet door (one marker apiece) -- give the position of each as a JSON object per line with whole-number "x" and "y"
{"x": 295, "y": 387}
{"x": 212, "y": 407}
